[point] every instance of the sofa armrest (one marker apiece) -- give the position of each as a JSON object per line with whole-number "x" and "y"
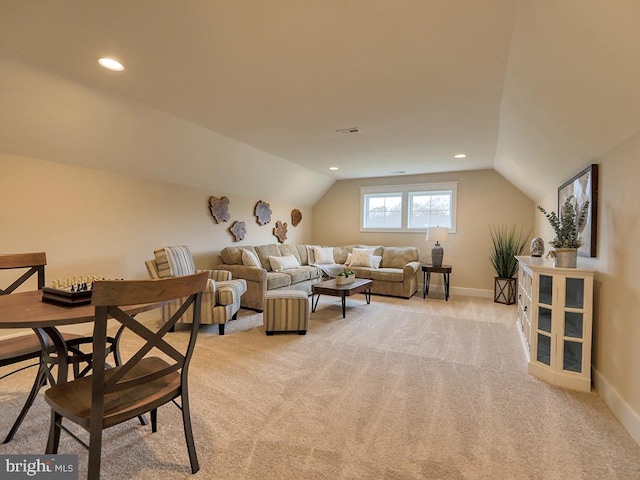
{"x": 218, "y": 275}
{"x": 253, "y": 274}
{"x": 410, "y": 269}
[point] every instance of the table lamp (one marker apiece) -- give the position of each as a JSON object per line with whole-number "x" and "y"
{"x": 439, "y": 234}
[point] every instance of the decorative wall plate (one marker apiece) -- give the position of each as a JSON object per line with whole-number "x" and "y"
{"x": 296, "y": 217}
{"x": 280, "y": 231}
{"x": 219, "y": 208}
{"x": 263, "y": 213}
{"x": 238, "y": 230}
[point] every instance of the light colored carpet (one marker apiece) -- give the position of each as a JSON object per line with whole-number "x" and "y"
{"x": 400, "y": 389}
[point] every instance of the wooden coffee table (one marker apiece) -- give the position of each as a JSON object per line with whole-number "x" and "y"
{"x": 329, "y": 287}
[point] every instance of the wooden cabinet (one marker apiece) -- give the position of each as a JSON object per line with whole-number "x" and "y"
{"x": 555, "y": 315}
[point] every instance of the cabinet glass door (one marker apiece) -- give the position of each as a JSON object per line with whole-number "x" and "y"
{"x": 572, "y": 358}
{"x": 544, "y": 349}
{"x": 574, "y": 293}
{"x": 546, "y": 289}
{"x": 573, "y": 324}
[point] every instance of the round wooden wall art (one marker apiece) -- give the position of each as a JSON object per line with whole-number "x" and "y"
{"x": 238, "y": 230}
{"x": 280, "y": 231}
{"x": 219, "y": 208}
{"x": 296, "y": 217}
{"x": 263, "y": 213}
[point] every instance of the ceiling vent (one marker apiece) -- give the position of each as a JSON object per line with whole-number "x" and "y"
{"x": 347, "y": 131}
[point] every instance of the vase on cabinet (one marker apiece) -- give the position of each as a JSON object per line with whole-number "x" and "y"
{"x": 565, "y": 257}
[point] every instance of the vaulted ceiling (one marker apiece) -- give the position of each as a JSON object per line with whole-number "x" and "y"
{"x": 536, "y": 90}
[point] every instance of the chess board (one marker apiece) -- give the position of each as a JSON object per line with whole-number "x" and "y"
{"x": 65, "y": 297}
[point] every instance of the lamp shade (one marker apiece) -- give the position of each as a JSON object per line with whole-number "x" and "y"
{"x": 438, "y": 234}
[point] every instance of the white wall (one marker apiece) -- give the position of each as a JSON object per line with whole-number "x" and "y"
{"x": 92, "y": 222}
{"x": 484, "y": 199}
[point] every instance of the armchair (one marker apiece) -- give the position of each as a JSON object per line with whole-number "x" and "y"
{"x": 221, "y": 300}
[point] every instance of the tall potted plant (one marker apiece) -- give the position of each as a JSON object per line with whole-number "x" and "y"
{"x": 567, "y": 227}
{"x": 506, "y": 245}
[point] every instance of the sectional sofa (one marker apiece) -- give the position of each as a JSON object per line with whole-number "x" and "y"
{"x": 393, "y": 270}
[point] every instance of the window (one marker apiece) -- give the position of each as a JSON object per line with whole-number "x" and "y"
{"x": 408, "y": 208}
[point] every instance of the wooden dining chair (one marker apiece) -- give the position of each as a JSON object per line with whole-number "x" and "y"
{"x": 15, "y": 350}
{"x": 142, "y": 383}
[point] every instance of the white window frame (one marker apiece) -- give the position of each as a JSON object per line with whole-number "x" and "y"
{"x": 405, "y": 191}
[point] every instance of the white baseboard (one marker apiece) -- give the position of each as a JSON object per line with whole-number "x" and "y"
{"x": 629, "y": 419}
{"x": 467, "y": 292}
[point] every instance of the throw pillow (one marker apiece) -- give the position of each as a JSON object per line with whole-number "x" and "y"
{"x": 361, "y": 257}
{"x": 323, "y": 255}
{"x": 174, "y": 261}
{"x": 375, "y": 261}
{"x": 249, "y": 259}
{"x": 287, "y": 262}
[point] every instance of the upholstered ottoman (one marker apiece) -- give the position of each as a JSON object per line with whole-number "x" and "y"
{"x": 285, "y": 311}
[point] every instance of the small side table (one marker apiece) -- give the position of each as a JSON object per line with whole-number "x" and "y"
{"x": 428, "y": 269}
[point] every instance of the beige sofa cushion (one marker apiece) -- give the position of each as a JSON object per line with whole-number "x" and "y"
{"x": 398, "y": 257}
{"x": 266, "y": 251}
{"x": 233, "y": 255}
{"x": 277, "y": 280}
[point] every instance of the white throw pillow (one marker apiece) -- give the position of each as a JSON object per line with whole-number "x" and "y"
{"x": 287, "y": 262}
{"x": 249, "y": 259}
{"x": 323, "y": 255}
{"x": 375, "y": 261}
{"x": 348, "y": 261}
{"x": 362, "y": 257}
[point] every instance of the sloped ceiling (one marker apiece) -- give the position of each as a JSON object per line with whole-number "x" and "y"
{"x": 536, "y": 90}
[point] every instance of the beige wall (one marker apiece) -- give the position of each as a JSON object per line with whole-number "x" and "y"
{"x": 91, "y": 222}
{"x": 616, "y": 334}
{"x": 484, "y": 199}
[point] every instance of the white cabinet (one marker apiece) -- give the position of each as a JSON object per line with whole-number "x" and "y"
{"x": 555, "y": 314}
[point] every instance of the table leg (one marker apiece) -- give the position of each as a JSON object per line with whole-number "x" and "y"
{"x": 446, "y": 286}
{"x": 427, "y": 280}
{"x": 314, "y": 304}
{"x": 344, "y": 306}
{"x": 367, "y": 295}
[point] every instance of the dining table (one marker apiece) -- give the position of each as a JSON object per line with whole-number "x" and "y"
{"x": 27, "y": 310}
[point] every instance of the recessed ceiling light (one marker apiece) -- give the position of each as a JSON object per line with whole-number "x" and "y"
{"x": 460, "y": 155}
{"x": 111, "y": 64}
{"x": 399, "y": 172}
{"x": 333, "y": 168}
{"x": 347, "y": 131}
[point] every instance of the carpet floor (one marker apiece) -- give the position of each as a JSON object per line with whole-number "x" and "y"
{"x": 399, "y": 389}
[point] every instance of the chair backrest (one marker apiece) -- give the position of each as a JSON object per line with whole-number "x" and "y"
{"x": 109, "y": 295}
{"x": 174, "y": 261}
{"x": 34, "y": 262}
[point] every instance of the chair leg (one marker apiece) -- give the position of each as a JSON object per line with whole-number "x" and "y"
{"x": 35, "y": 388}
{"x": 221, "y": 328}
{"x": 54, "y": 433}
{"x": 95, "y": 452}
{"x": 188, "y": 433}
{"x": 154, "y": 420}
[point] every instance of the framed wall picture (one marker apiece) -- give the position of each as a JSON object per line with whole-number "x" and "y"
{"x": 584, "y": 187}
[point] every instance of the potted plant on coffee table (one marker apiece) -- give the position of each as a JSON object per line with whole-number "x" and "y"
{"x": 345, "y": 277}
{"x": 506, "y": 245}
{"x": 567, "y": 227}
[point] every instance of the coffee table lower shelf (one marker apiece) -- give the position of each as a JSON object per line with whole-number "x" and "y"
{"x": 329, "y": 287}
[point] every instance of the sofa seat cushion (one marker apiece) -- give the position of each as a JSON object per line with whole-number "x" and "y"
{"x": 277, "y": 280}
{"x": 387, "y": 274}
{"x": 298, "y": 274}
{"x": 314, "y": 272}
